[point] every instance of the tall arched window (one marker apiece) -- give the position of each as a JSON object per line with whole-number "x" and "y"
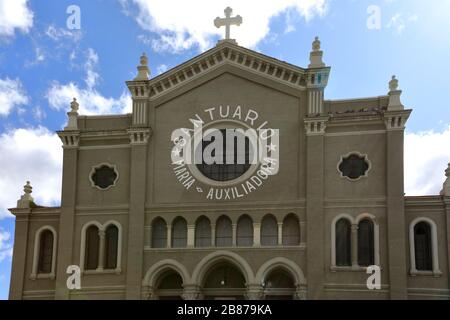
{"x": 423, "y": 246}
{"x": 111, "y": 246}
{"x": 92, "y": 248}
{"x": 179, "y": 233}
{"x": 203, "y": 232}
{"x": 291, "y": 231}
{"x": 224, "y": 232}
{"x": 366, "y": 243}
{"x": 159, "y": 233}
{"x": 343, "y": 243}
{"x": 45, "y": 258}
{"x": 245, "y": 232}
{"x": 269, "y": 231}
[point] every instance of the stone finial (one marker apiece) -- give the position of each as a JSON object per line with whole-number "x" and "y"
{"x": 393, "y": 84}
{"x": 395, "y": 103}
{"x": 316, "y": 55}
{"x": 446, "y": 189}
{"x": 26, "y": 199}
{"x": 143, "y": 69}
{"x": 316, "y": 44}
{"x": 73, "y": 115}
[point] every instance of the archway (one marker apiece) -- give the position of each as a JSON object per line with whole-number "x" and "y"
{"x": 279, "y": 285}
{"x": 224, "y": 281}
{"x": 169, "y": 286}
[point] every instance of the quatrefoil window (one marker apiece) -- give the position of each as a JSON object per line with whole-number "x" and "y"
{"x": 354, "y": 166}
{"x": 104, "y": 176}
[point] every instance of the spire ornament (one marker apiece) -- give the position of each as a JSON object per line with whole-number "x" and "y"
{"x": 73, "y": 116}
{"x": 395, "y": 103}
{"x": 316, "y": 55}
{"x": 143, "y": 69}
{"x": 26, "y": 200}
{"x": 227, "y": 22}
{"x": 446, "y": 189}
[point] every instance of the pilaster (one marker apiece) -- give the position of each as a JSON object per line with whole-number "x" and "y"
{"x": 315, "y": 130}
{"x": 18, "y": 268}
{"x": 139, "y": 139}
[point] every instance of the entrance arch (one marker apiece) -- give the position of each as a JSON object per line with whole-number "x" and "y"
{"x": 223, "y": 267}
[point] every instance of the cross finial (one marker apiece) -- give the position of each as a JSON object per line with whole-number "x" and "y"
{"x": 228, "y": 21}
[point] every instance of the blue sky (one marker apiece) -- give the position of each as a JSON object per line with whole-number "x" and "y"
{"x": 43, "y": 65}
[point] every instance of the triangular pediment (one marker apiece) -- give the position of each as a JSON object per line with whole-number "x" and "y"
{"x": 227, "y": 53}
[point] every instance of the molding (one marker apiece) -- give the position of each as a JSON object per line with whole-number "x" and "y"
{"x": 283, "y": 263}
{"x": 140, "y": 136}
{"x": 70, "y": 139}
{"x": 436, "y": 272}
{"x": 111, "y": 166}
{"x": 356, "y": 133}
{"x": 396, "y": 120}
{"x": 37, "y": 243}
{"x": 316, "y": 126}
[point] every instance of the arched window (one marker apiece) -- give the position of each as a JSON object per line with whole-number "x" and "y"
{"x": 203, "y": 233}
{"x": 179, "y": 233}
{"x": 343, "y": 243}
{"x": 92, "y": 248}
{"x": 245, "y": 232}
{"x": 224, "y": 232}
{"x": 45, "y": 259}
{"x": 269, "y": 231}
{"x": 291, "y": 231}
{"x": 423, "y": 246}
{"x": 111, "y": 246}
{"x": 159, "y": 233}
{"x": 366, "y": 243}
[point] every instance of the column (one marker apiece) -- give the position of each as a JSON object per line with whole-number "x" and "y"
{"x": 256, "y": 234}
{"x": 101, "y": 251}
{"x": 148, "y": 236}
{"x": 280, "y": 233}
{"x": 447, "y": 210}
{"x": 139, "y": 138}
{"x": 169, "y": 236}
{"x": 191, "y": 236}
{"x": 354, "y": 240}
{"x": 234, "y": 236}
{"x": 213, "y": 235}
{"x": 67, "y": 216}
{"x": 18, "y": 274}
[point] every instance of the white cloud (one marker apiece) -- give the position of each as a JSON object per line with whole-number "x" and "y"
{"x": 58, "y": 34}
{"x": 15, "y": 14}
{"x": 399, "y": 21}
{"x": 91, "y": 101}
{"x": 12, "y": 95}
{"x": 5, "y": 245}
{"x": 161, "y": 68}
{"x": 426, "y": 157}
{"x": 184, "y": 24}
{"x": 30, "y": 155}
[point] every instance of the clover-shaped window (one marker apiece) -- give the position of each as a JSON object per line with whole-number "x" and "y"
{"x": 354, "y": 166}
{"x": 104, "y": 176}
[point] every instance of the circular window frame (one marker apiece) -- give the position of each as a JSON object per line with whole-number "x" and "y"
{"x": 104, "y": 164}
{"x": 223, "y": 124}
{"x": 360, "y": 155}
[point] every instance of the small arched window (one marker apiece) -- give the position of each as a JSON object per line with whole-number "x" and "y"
{"x": 111, "y": 246}
{"x": 291, "y": 231}
{"x": 343, "y": 243}
{"x": 423, "y": 246}
{"x": 45, "y": 258}
{"x": 92, "y": 248}
{"x": 366, "y": 243}
{"x": 203, "y": 233}
{"x": 179, "y": 233}
{"x": 245, "y": 232}
{"x": 159, "y": 233}
{"x": 269, "y": 231}
{"x": 224, "y": 232}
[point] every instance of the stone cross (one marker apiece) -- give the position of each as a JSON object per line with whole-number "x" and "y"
{"x": 228, "y": 21}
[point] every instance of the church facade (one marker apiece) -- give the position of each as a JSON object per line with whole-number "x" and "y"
{"x": 305, "y": 220}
